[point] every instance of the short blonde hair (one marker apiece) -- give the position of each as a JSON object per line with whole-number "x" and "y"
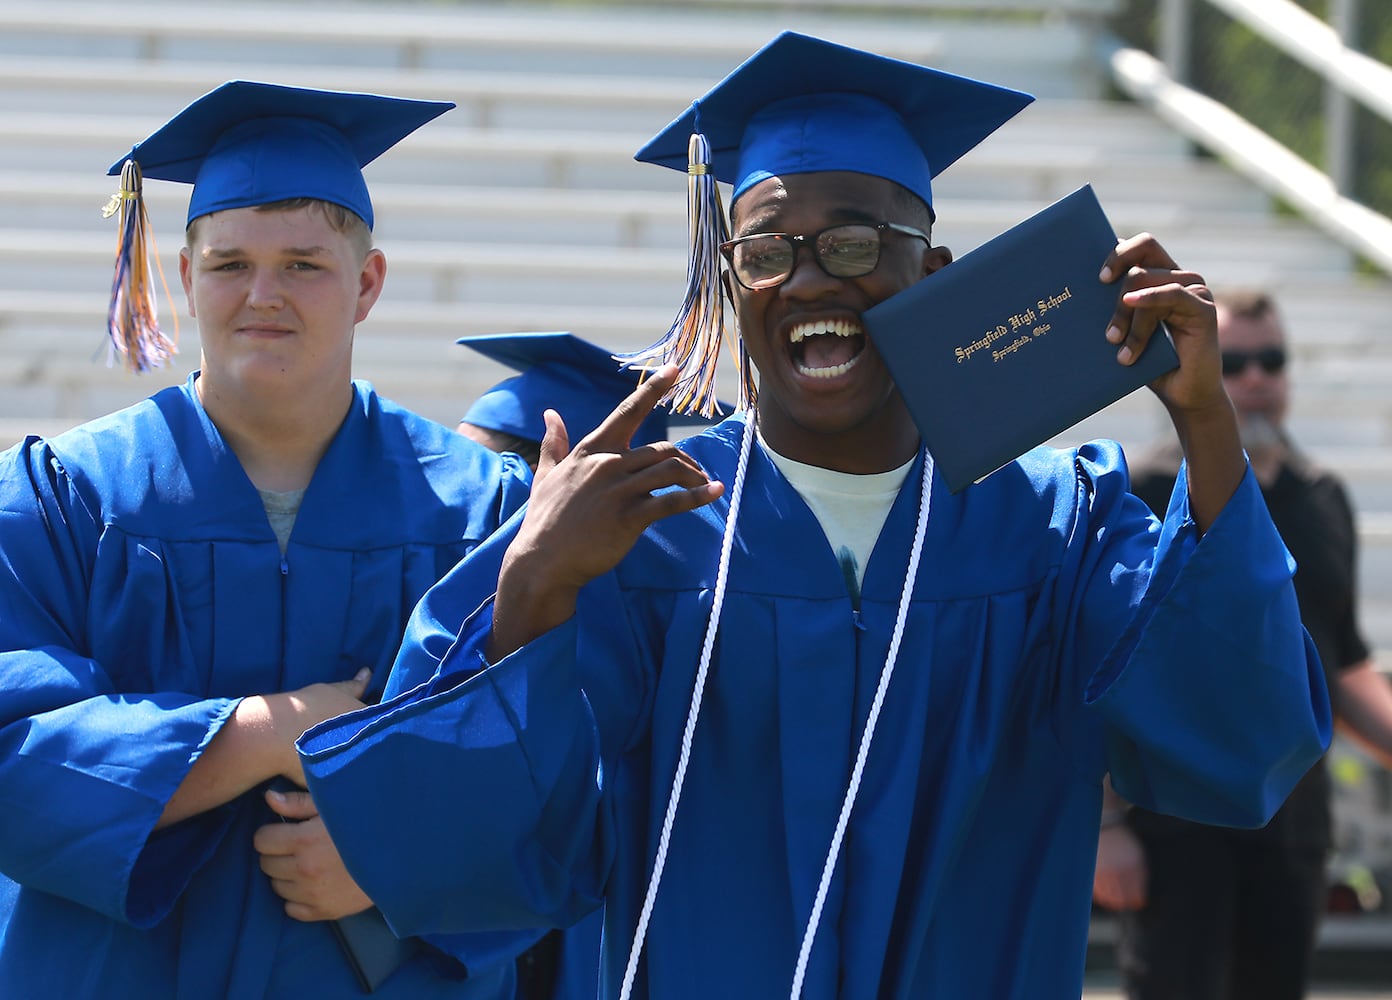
{"x": 340, "y": 219}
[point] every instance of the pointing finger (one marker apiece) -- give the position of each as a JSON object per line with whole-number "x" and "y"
{"x": 617, "y": 430}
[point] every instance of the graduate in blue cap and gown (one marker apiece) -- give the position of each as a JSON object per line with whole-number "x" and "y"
{"x": 806, "y": 722}
{"x": 187, "y": 584}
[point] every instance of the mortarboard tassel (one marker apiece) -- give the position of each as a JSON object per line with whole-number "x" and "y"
{"x": 133, "y": 317}
{"x": 694, "y": 339}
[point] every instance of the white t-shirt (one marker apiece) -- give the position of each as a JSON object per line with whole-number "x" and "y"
{"x": 850, "y": 508}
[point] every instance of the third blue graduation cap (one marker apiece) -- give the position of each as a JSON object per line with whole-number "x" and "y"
{"x": 559, "y": 371}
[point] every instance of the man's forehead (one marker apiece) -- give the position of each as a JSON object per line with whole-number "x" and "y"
{"x": 839, "y": 196}
{"x": 1248, "y": 330}
{"x": 302, "y": 231}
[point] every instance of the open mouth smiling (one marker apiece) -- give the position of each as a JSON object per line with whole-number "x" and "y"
{"x": 826, "y": 348}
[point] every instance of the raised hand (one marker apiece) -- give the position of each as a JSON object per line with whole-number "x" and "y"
{"x": 588, "y": 507}
{"x": 1156, "y": 291}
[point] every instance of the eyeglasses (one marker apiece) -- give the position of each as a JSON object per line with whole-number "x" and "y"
{"x": 764, "y": 260}
{"x": 1271, "y": 359}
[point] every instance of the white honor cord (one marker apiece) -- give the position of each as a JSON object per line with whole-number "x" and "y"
{"x": 718, "y": 601}
{"x": 854, "y": 787}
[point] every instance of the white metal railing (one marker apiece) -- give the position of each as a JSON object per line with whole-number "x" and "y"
{"x": 1349, "y": 75}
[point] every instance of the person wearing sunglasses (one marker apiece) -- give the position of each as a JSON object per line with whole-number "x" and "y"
{"x": 801, "y": 719}
{"x": 1210, "y": 913}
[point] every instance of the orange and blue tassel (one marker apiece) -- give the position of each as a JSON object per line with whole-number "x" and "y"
{"x": 133, "y": 317}
{"x": 693, "y": 341}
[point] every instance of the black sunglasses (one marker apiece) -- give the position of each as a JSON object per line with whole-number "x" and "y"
{"x": 1271, "y": 359}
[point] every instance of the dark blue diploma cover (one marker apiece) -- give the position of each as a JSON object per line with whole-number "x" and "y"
{"x": 1004, "y": 348}
{"x": 371, "y": 948}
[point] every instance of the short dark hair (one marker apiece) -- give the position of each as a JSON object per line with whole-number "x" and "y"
{"x": 917, "y": 212}
{"x": 1247, "y": 303}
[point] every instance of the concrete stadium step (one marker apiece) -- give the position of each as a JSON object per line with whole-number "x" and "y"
{"x": 1348, "y": 316}
{"x": 1369, "y": 472}
{"x": 1375, "y": 616}
{"x": 1050, "y": 54}
{"x": 516, "y": 99}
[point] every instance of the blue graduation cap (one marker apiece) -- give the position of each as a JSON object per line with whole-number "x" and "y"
{"x": 800, "y": 105}
{"x": 562, "y": 372}
{"x": 244, "y": 144}
{"x": 247, "y": 143}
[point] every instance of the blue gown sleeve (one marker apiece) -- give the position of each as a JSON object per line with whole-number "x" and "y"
{"x": 519, "y": 735}
{"x": 85, "y": 768}
{"x": 1213, "y": 695}
{"x": 436, "y": 620}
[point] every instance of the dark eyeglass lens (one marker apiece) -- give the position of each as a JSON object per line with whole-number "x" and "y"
{"x": 849, "y": 251}
{"x": 1271, "y": 359}
{"x": 764, "y": 261}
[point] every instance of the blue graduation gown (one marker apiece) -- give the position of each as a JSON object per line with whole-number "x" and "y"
{"x": 142, "y": 593}
{"x": 1057, "y": 632}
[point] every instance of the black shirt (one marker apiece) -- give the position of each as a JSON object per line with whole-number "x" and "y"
{"x": 1310, "y": 509}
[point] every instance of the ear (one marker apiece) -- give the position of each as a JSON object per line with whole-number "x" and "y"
{"x": 186, "y": 279}
{"x": 370, "y": 282}
{"x": 935, "y": 258}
